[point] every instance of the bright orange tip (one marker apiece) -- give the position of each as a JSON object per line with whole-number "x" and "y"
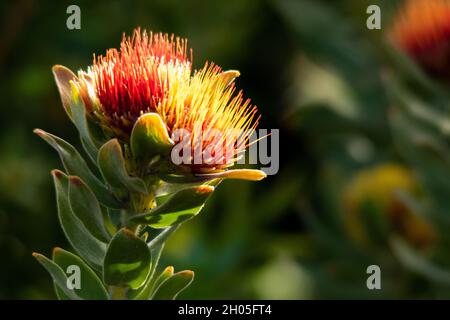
{"x": 58, "y": 174}
{"x": 205, "y": 189}
{"x": 187, "y": 272}
{"x": 76, "y": 181}
{"x": 169, "y": 269}
{"x": 39, "y": 132}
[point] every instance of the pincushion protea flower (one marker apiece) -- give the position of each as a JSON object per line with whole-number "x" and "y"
{"x": 129, "y": 108}
{"x": 422, "y": 30}
{"x": 152, "y": 74}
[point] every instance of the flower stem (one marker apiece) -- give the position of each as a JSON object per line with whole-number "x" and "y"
{"x": 118, "y": 293}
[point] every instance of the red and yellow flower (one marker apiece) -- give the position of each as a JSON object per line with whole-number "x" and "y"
{"x": 149, "y": 82}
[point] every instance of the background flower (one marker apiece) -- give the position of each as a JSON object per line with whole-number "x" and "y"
{"x": 422, "y": 30}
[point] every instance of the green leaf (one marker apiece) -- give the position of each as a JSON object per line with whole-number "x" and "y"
{"x": 144, "y": 292}
{"x": 112, "y": 166}
{"x": 414, "y": 262}
{"x": 63, "y": 76}
{"x": 409, "y": 69}
{"x": 87, "y": 246}
{"x": 181, "y": 206}
{"x": 163, "y": 189}
{"x": 149, "y": 137}
{"x": 426, "y": 113}
{"x": 86, "y": 207}
{"x": 171, "y": 287}
{"x": 162, "y": 277}
{"x": 163, "y": 236}
{"x": 78, "y": 111}
{"x": 75, "y": 165}
{"x": 127, "y": 260}
{"x": 427, "y": 155}
{"x": 91, "y": 287}
{"x": 58, "y": 275}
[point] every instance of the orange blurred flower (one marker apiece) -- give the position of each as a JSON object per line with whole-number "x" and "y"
{"x": 422, "y": 30}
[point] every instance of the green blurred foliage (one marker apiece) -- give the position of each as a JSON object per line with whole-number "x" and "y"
{"x": 315, "y": 72}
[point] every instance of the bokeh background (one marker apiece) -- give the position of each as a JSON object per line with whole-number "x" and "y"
{"x": 364, "y": 158}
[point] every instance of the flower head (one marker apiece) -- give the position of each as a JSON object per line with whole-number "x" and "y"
{"x": 422, "y": 30}
{"x": 149, "y": 83}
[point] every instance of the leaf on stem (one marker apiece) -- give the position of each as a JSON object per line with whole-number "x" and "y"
{"x": 58, "y": 275}
{"x": 86, "y": 207}
{"x": 171, "y": 287}
{"x": 112, "y": 166}
{"x": 87, "y": 246}
{"x": 75, "y": 165}
{"x": 127, "y": 260}
{"x": 91, "y": 287}
{"x": 150, "y": 137}
{"x": 181, "y": 206}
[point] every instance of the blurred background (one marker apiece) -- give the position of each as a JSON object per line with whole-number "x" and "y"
{"x": 364, "y": 173}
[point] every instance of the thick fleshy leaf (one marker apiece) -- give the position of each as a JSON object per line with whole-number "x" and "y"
{"x": 181, "y": 206}
{"x": 87, "y": 246}
{"x": 91, "y": 287}
{"x": 149, "y": 137}
{"x": 174, "y": 285}
{"x": 78, "y": 111}
{"x": 414, "y": 262}
{"x": 112, "y": 166}
{"x": 86, "y": 207}
{"x": 162, "y": 277}
{"x": 144, "y": 292}
{"x": 405, "y": 66}
{"x": 127, "y": 260}
{"x": 58, "y": 275}
{"x": 63, "y": 76}
{"x": 164, "y": 188}
{"x": 75, "y": 165}
{"x": 163, "y": 236}
{"x": 239, "y": 174}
